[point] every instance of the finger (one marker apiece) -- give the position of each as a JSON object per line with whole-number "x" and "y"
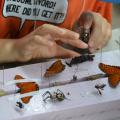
{"x": 105, "y": 35}
{"x": 48, "y": 51}
{"x": 86, "y": 20}
{"x": 42, "y": 40}
{"x": 95, "y": 37}
{"x": 35, "y": 42}
{"x": 58, "y": 32}
{"x": 65, "y": 53}
{"x": 75, "y": 43}
{"x": 93, "y": 42}
{"x": 108, "y": 34}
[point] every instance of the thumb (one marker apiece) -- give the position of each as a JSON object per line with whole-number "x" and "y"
{"x": 85, "y": 23}
{"x": 86, "y": 20}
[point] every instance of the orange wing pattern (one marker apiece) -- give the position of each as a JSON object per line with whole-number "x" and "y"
{"x": 108, "y": 69}
{"x": 113, "y": 73}
{"x": 114, "y": 80}
{"x": 55, "y": 68}
{"x": 26, "y": 87}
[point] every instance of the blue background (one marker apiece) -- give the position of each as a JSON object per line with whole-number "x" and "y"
{"x": 112, "y": 1}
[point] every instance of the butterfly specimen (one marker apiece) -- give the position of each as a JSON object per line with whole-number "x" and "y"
{"x": 26, "y": 87}
{"x": 113, "y": 73}
{"x": 81, "y": 59}
{"x": 55, "y": 68}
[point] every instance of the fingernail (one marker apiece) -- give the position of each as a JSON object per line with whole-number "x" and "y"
{"x": 73, "y": 34}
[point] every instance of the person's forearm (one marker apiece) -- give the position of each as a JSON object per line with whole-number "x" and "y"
{"x": 7, "y": 50}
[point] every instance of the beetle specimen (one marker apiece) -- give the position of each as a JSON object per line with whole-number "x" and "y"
{"x": 100, "y": 87}
{"x": 80, "y": 59}
{"x": 55, "y": 96}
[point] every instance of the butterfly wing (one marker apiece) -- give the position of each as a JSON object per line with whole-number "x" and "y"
{"x": 19, "y": 85}
{"x": 55, "y": 68}
{"x": 26, "y": 87}
{"x": 113, "y": 73}
{"x": 114, "y": 80}
{"x": 108, "y": 69}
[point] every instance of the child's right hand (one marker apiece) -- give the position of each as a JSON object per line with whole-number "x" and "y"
{"x": 42, "y": 43}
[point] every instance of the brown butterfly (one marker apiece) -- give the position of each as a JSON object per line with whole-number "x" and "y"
{"x": 113, "y": 73}
{"x": 55, "y": 68}
{"x": 26, "y": 87}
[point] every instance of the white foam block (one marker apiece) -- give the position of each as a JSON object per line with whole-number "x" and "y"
{"x": 84, "y": 102}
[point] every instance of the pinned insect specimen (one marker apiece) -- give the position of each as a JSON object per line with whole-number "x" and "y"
{"x": 81, "y": 59}
{"x": 113, "y": 73}
{"x": 55, "y": 68}
{"x": 20, "y": 105}
{"x": 100, "y": 87}
{"x": 55, "y": 96}
{"x": 26, "y": 87}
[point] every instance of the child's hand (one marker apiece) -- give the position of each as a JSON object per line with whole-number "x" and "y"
{"x": 101, "y": 33}
{"x": 42, "y": 43}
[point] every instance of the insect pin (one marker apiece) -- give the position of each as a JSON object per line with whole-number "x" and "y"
{"x": 55, "y": 96}
{"x": 100, "y": 88}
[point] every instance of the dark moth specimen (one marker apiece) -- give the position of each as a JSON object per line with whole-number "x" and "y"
{"x": 80, "y": 59}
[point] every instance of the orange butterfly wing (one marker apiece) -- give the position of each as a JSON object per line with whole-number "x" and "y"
{"x": 55, "y": 68}
{"x": 114, "y": 80}
{"x": 18, "y": 77}
{"x": 26, "y": 88}
{"x": 113, "y": 73}
{"x": 108, "y": 69}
